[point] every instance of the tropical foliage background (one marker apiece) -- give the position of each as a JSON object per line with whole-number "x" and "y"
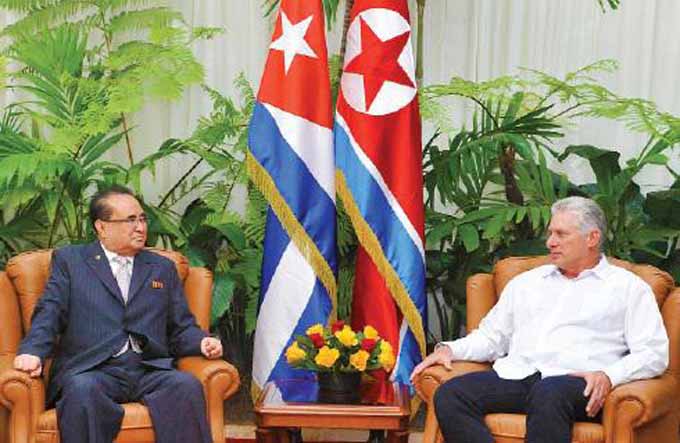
{"x": 79, "y": 71}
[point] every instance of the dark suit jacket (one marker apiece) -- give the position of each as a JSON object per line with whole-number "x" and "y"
{"x": 81, "y": 318}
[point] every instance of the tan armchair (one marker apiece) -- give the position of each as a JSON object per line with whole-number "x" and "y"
{"x": 23, "y": 417}
{"x": 641, "y": 411}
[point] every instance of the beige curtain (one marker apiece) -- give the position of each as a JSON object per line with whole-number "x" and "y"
{"x": 476, "y": 39}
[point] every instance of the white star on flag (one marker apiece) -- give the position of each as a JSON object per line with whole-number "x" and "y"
{"x": 292, "y": 40}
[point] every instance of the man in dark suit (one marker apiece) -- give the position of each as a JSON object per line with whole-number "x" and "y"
{"x": 114, "y": 316}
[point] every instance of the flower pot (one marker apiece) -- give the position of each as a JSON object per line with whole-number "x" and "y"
{"x": 339, "y": 387}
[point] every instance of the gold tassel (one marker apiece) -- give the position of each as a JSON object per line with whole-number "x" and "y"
{"x": 370, "y": 242}
{"x": 296, "y": 232}
{"x": 255, "y": 391}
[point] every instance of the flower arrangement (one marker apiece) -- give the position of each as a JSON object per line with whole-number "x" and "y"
{"x": 340, "y": 349}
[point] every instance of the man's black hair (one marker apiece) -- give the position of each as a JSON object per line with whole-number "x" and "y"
{"x": 99, "y": 208}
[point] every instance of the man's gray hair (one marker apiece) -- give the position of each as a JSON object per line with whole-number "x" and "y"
{"x": 590, "y": 215}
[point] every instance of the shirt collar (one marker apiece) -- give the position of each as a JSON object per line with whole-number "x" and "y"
{"x": 600, "y": 270}
{"x": 110, "y": 256}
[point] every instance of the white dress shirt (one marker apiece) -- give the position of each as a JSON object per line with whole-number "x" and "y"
{"x": 606, "y": 319}
{"x": 115, "y": 265}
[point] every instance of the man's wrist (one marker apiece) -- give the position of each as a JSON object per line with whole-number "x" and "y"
{"x": 444, "y": 348}
{"x": 615, "y": 376}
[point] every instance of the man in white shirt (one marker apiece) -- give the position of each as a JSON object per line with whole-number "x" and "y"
{"x": 562, "y": 336}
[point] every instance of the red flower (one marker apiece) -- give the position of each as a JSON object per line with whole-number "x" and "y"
{"x": 337, "y": 326}
{"x": 368, "y": 344}
{"x": 317, "y": 339}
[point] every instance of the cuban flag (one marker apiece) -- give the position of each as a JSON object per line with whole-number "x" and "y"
{"x": 379, "y": 174}
{"x": 291, "y": 161}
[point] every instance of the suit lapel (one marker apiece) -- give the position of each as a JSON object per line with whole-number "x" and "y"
{"x": 140, "y": 273}
{"x": 96, "y": 259}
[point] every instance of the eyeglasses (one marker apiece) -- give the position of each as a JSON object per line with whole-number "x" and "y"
{"x": 131, "y": 221}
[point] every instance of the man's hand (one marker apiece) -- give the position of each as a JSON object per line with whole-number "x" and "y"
{"x": 211, "y": 348}
{"x": 598, "y": 386}
{"x": 441, "y": 356}
{"x": 28, "y": 363}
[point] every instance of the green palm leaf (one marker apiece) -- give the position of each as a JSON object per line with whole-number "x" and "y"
{"x": 46, "y": 15}
{"x": 139, "y": 20}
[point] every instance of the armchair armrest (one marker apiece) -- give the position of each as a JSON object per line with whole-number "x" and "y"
{"x": 218, "y": 375}
{"x": 427, "y": 383}
{"x": 430, "y": 379}
{"x": 23, "y": 396}
{"x": 637, "y": 403}
{"x": 220, "y": 381}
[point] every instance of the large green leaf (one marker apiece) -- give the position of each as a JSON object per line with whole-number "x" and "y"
{"x": 164, "y": 223}
{"x": 663, "y": 207}
{"x": 513, "y": 108}
{"x": 494, "y": 225}
{"x": 223, "y": 292}
{"x": 605, "y": 163}
{"x": 53, "y": 52}
{"x": 196, "y": 256}
{"x": 96, "y": 146}
{"x": 234, "y": 234}
{"x": 470, "y": 237}
{"x": 440, "y": 231}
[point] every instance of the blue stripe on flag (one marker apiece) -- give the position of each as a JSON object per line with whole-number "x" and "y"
{"x": 409, "y": 357}
{"x": 399, "y": 248}
{"x": 275, "y": 242}
{"x": 308, "y": 201}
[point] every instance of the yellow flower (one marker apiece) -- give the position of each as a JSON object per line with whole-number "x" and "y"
{"x": 347, "y": 337}
{"x": 359, "y": 359}
{"x": 316, "y": 329}
{"x": 294, "y": 353}
{"x": 326, "y": 357}
{"x": 386, "y": 356}
{"x": 370, "y": 332}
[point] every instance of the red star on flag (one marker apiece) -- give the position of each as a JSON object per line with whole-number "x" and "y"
{"x": 377, "y": 62}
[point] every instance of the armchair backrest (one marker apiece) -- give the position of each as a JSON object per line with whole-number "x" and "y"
{"x": 483, "y": 291}
{"x": 26, "y": 275}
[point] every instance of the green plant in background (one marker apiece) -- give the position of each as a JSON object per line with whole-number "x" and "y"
{"x": 209, "y": 232}
{"x": 642, "y": 228}
{"x": 77, "y": 81}
{"x": 82, "y": 66}
{"x": 133, "y": 51}
{"x": 497, "y": 181}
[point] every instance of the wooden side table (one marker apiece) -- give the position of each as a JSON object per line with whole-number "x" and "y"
{"x": 273, "y": 415}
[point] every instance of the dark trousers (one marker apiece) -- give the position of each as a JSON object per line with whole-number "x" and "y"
{"x": 89, "y": 410}
{"x": 551, "y": 404}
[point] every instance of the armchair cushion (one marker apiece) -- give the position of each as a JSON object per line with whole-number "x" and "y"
{"x": 136, "y": 426}
{"x": 512, "y": 428}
